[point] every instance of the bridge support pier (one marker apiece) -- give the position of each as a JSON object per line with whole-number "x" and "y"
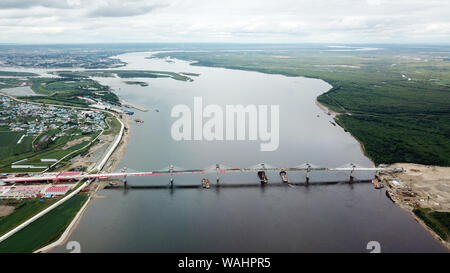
{"x": 217, "y": 173}
{"x": 124, "y": 177}
{"x": 352, "y": 173}
{"x": 171, "y": 175}
{"x": 308, "y": 170}
{"x": 262, "y": 175}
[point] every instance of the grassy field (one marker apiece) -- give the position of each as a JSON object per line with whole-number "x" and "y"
{"x": 8, "y": 138}
{"x": 44, "y": 230}
{"x": 12, "y": 152}
{"x": 23, "y": 211}
{"x": 10, "y": 82}
{"x": 395, "y": 101}
{"x": 17, "y": 74}
{"x": 439, "y": 222}
{"x": 114, "y": 126}
{"x": 10, "y": 148}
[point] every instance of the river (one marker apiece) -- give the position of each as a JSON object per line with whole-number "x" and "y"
{"x": 321, "y": 217}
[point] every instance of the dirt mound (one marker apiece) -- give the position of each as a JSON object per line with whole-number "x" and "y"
{"x": 6, "y": 210}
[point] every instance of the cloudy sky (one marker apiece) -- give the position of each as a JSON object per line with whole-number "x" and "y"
{"x": 344, "y": 21}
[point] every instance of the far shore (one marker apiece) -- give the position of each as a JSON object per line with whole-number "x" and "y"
{"x": 424, "y": 180}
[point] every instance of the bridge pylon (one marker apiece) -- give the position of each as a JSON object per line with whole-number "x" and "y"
{"x": 352, "y": 172}
{"x": 124, "y": 177}
{"x": 217, "y": 173}
{"x": 308, "y": 171}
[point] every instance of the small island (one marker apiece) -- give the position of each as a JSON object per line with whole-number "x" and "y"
{"x": 143, "y": 84}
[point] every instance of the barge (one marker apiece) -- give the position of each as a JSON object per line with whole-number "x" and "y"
{"x": 263, "y": 177}
{"x": 284, "y": 177}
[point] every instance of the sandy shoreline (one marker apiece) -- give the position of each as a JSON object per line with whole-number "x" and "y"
{"x": 326, "y": 109}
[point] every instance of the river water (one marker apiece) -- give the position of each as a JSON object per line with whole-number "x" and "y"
{"x": 242, "y": 217}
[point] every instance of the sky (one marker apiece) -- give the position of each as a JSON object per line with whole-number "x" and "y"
{"x": 235, "y": 21}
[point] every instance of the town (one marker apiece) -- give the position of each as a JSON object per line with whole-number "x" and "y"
{"x": 35, "y": 119}
{"x": 35, "y": 136}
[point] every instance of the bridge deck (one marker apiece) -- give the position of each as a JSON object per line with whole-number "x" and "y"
{"x": 56, "y": 177}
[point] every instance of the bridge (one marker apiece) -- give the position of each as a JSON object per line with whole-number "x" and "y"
{"x": 171, "y": 170}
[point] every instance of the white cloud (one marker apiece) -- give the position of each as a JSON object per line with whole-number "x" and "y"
{"x": 224, "y": 21}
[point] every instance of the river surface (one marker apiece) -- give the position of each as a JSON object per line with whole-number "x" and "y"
{"x": 242, "y": 217}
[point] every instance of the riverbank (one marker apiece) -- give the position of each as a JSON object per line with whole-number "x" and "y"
{"x": 114, "y": 159}
{"x": 93, "y": 191}
{"x": 327, "y": 110}
{"x": 334, "y": 114}
{"x": 68, "y": 231}
{"x": 420, "y": 186}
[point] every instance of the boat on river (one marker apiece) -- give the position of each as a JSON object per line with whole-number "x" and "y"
{"x": 205, "y": 183}
{"x": 284, "y": 177}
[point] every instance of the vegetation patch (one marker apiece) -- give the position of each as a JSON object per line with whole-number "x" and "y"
{"x": 439, "y": 222}
{"x": 17, "y": 74}
{"x": 69, "y": 90}
{"x": 11, "y": 82}
{"x": 23, "y": 210}
{"x": 114, "y": 125}
{"x": 143, "y": 84}
{"x": 54, "y": 150}
{"x": 44, "y": 230}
